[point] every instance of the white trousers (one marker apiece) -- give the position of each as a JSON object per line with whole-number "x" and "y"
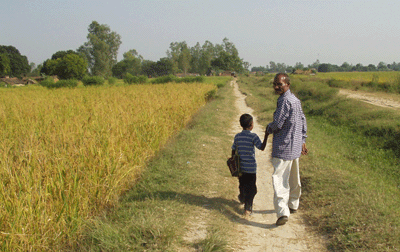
{"x": 287, "y": 186}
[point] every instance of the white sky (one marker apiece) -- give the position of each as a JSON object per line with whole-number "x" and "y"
{"x": 283, "y": 31}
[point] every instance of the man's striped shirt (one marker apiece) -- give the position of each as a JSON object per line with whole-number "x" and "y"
{"x": 289, "y": 128}
{"x": 245, "y": 141}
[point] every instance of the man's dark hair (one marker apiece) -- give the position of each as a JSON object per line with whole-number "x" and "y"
{"x": 286, "y": 80}
{"x": 245, "y": 120}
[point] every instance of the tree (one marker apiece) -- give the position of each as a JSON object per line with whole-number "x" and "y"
{"x": 66, "y": 65}
{"x": 101, "y": 50}
{"x": 259, "y": 69}
{"x": 195, "y": 53}
{"x": 132, "y": 64}
{"x": 227, "y": 57}
{"x": 299, "y": 65}
{"x": 19, "y": 64}
{"x": 272, "y": 67}
{"x": 345, "y": 67}
{"x": 382, "y": 66}
{"x": 207, "y": 54}
{"x": 71, "y": 66}
{"x": 371, "y": 67}
{"x": 315, "y": 64}
{"x": 179, "y": 54}
{"x": 154, "y": 69}
{"x": 5, "y": 67}
{"x": 323, "y": 68}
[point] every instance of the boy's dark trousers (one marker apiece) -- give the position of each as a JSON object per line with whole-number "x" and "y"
{"x": 248, "y": 189}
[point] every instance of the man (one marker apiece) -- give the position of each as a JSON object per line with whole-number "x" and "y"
{"x": 290, "y": 131}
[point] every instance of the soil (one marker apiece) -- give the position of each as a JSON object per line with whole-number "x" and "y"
{"x": 373, "y": 98}
{"x": 259, "y": 231}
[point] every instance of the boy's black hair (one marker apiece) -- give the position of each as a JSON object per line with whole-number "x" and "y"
{"x": 245, "y": 121}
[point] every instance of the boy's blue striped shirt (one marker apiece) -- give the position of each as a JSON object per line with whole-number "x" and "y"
{"x": 246, "y": 140}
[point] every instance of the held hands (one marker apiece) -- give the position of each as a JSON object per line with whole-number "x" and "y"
{"x": 304, "y": 150}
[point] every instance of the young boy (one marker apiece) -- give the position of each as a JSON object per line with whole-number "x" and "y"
{"x": 245, "y": 142}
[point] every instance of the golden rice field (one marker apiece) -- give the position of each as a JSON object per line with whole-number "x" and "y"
{"x": 67, "y": 154}
{"x": 380, "y": 77}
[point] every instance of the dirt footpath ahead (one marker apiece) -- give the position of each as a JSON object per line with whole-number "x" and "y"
{"x": 259, "y": 232}
{"x": 372, "y": 98}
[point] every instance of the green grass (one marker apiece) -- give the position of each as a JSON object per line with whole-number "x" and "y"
{"x": 351, "y": 176}
{"x": 187, "y": 179}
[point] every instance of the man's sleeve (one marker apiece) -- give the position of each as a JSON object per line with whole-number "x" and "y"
{"x": 280, "y": 116}
{"x": 304, "y": 131}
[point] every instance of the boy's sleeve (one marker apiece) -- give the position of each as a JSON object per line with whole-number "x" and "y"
{"x": 234, "y": 144}
{"x": 257, "y": 142}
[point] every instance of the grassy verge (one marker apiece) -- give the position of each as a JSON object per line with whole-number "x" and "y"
{"x": 185, "y": 188}
{"x": 351, "y": 176}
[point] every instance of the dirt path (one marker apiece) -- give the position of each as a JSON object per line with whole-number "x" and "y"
{"x": 372, "y": 98}
{"x": 259, "y": 231}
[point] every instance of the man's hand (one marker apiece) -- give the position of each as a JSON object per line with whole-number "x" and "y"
{"x": 304, "y": 150}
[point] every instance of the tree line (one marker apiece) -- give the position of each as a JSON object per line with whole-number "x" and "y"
{"x": 326, "y": 67}
{"x": 98, "y": 57}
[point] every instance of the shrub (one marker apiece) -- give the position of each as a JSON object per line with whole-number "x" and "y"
{"x": 130, "y": 79}
{"x": 142, "y": 79}
{"x": 112, "y": 80}
{"x": 164, "y": 79}
{"x": 50, "y": 83}
{"x": 67, "y": 83}
{"x": 191, "y": 79}
{"x": 220, "y": 85}
{"x": 93, "y": 80}
{"x": 173, "y": 78}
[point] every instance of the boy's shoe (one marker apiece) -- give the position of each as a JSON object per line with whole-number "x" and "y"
{"x": 282, "y": 220}
{"x": 241, "y": 199}
{"x": 292, "y": 211}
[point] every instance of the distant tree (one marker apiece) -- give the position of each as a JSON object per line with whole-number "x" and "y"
{"x": 164, "y": 67}
{"x": 184, "y": 58}
{"x": 71, "y": 66}
{"x": 66, "y": 65}
{"x": 132, "y": 63}
{"x": 371, "y": 68}
{"x": 315, "y": 64}
{"x": 5, "y": 67}
{"x": 36, "y": 70}
{"x": 281, "y": 67}
{"x": 394, "y": 66}
{"x": 345, "y": 67}
{"x": 195, "y": 60}
{"x": 179, "y": 55}
{"x": 382, "y": 66}
{"x": 323, "y": 68}
{"x": 148, "y": 68}
{"x": 299, "y": 65}
{"x": 358, "y": 67}
{"x": 19, "y": 64}
{"x": 290, "y": 69}
{"x": 259, "y": 69}
{"x": 101, "y": 50}
{"x": 273, "y": 67}
{"x": 159, "y": 68}
{"x": 207, "y": 54}
{"x": 61, "y": 54}
{"x": 246, "y": 65}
